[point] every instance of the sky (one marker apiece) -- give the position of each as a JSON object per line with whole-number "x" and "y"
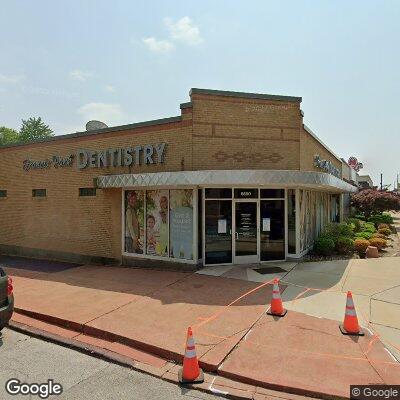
{"x": 125, "y": 61}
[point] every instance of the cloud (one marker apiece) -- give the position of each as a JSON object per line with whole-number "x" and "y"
{"x": 109, "y": 88}
{"x": 11, "y": 78}
{"x": 184, "y": 30}
{"x": 158, "y": 46}
{"x": 111, "y": 114}
{"x": 79, "y": 75}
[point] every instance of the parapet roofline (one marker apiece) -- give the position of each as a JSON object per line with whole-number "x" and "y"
{"x": 99, "y": 131}
{"x": 312, "y": 134}
{"x": 244, "y": 95}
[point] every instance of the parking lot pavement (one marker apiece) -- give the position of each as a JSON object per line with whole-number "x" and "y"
{"x": 81, "y": 376}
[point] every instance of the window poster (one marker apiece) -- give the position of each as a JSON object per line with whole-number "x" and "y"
{"x": 134, "y": 221}
{"x": 222, "y": 226}
{"x": 157, "y": 222}
{"x": 181, "y": 223}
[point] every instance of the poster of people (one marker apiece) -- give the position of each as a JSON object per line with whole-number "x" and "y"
{"x": 181, "y": 223}
{"x": 157, "y": 222}
{"x": 134, "y": 221}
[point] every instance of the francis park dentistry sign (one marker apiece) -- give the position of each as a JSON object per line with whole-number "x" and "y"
{"x": 121, "y": 157}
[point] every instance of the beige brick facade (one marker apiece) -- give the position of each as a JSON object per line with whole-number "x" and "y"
{"x": 213, "y": 132}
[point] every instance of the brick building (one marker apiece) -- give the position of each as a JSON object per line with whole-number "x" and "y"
{"x": 236, "y": 178}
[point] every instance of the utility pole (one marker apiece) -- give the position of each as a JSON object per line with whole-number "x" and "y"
{"x": 381, "y": 182}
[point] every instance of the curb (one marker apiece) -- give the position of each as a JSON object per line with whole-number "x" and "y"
{"x": 105, "y": 335}
{"x": 281, "y": 391}
{"x": 107, "y": 355}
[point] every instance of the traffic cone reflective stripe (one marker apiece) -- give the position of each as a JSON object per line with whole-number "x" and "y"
{"x": 276, "y": 301}
{"x": 350, "y": 323}
{"x": 191, "y": 372}
{"x": 190, "y": 349}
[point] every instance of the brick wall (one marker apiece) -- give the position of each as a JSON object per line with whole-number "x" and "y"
{"x": 63, "y": 221}
{"x": 309, "y": 147}
{"x": 236, "y": 133}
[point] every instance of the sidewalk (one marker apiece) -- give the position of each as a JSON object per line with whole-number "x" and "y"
{"x": 133, "y": 310}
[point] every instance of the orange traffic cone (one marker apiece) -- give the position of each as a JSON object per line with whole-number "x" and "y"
{"x": 276, "y": 308}
{"x": 350, "y": 324}
{"x": 191, "y": 372}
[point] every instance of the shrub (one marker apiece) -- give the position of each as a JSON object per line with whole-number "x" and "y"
{"x": 368, "y": 227}
{"x": 378, "y": 243}
{"x": 356, "y": 223}
{"x": 385, "y": 231}
{"x": 324, "y": 246}
{"x": 371, "y": 201}
{"x": 360, "y": 245}
{"x": 334, "y": 230}
{"x": 379, "y": 236}
{"x": 344, "y": 245}
{"x": 364, "y": 235}
{"x": 383, "y": 218}
{"x": 380, "y": 226}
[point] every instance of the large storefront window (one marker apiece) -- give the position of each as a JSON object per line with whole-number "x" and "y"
{"x": 272, "y": 230}
{"x": 314, "y": 216}
{"x": 134, "y": 221}
{"x": 181, "y": 224}
{"x": 159, "y": 223}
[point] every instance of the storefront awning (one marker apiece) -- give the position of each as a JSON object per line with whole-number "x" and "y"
{"x": 213, "y": 178}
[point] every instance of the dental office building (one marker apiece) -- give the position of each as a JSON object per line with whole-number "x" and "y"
{"x": 235, "y": 178}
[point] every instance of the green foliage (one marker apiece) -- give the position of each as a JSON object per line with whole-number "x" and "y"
{"x": 385, "y": 231}
{"x": 355, "y": 223}
{"x": 324, "y": 246}
{"x": 344, "y": 245}
{"x": 368, "y": 227}
{"x": 359, "y": 216}
{"x": 335, "y": 230}
{"x": 8, "y": 136}
{"x": 383, "y": 218}
{"x": 364, "y": 235}
{"x": 34, "y": 129}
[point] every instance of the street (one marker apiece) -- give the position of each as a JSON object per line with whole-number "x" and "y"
{"x": 82, "y": 377}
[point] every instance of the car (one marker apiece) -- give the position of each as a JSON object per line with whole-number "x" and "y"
{"x": 6, "y": 298}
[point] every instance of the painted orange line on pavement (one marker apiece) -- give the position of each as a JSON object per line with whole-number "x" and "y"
{"x": 329, "y": 355}
{"x": 218, "y": 313}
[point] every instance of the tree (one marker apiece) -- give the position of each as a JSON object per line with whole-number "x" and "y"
{"x": 371, "y": 201}
{"x": 8, "y": 136}
{"x": 34, "y": 129}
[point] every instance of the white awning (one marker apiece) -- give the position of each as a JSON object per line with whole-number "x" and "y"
{"x": 215, "y": 178}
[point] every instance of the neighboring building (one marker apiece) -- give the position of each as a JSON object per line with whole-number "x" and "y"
{"x": 236, "y": 178}
{"x": 365, "y": 182}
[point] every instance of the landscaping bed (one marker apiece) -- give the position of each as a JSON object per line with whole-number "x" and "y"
{"x": 350, "y": 239}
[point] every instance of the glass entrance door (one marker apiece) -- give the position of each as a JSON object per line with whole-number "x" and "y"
{"x": 246, "y": 248}
{"x": 272, "y": 227}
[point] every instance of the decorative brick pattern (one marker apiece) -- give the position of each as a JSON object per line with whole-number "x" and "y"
{"x": 240, "y": 157}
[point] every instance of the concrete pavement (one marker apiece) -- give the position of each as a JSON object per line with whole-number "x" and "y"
{"x": 319, "y": 289}
{"x": 82, "y": 377}
{"x": 131, "y": 310}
